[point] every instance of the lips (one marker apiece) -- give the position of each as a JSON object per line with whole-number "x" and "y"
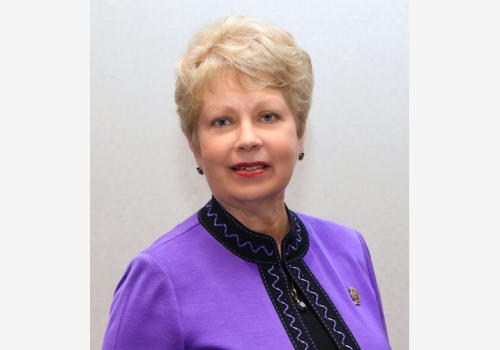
{"x": 249, "y": 166}
{"x": 250, "y": 169}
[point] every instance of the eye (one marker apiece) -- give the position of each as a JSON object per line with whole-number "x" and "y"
{"x": 268, "y": 117}
{"x": 222, "y": 122}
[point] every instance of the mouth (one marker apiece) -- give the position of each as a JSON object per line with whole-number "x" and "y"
{"x": 249, "y": 166}
{"x": 250, "y": 169}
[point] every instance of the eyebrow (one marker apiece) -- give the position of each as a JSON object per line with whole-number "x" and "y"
{"x": 219, "y": 108}
{"x": 224, "y": 107}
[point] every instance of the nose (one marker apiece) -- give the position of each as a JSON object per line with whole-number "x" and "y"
{"x": 248, "y": 138}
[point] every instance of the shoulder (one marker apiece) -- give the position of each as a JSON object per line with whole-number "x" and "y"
{"x": 180, "y": 239}
{"x": 154, "y": 267}
{"x": 150, "y": 259}
{"x": 171, "y": 249}
{"x": 329, "y": 231}
{"x": 180, "y": 250}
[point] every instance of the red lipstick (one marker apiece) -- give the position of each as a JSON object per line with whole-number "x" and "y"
{"x": 252, "y": 169}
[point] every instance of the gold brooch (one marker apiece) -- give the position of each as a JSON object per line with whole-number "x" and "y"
{"x": 354, "y": 296}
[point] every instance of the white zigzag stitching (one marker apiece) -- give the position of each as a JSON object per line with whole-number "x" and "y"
{"x": 209, "y": 206}
{"x": 324, "y": 307}
{"x": 293, "y": 319}
{"x": 297, "y": 241}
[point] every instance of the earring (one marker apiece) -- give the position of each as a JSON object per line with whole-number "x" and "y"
{"x": 200, "y": 170}
{"x": 301, "y": 155}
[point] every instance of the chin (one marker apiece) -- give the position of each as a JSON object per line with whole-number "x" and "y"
{"x": 253, "y": 195}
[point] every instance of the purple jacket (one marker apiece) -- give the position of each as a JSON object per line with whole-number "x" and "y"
{"x": 210, "y": 283}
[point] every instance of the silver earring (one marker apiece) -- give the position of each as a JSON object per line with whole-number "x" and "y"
{"x": 200, "y": 170}
{"x": 301, "y": 155}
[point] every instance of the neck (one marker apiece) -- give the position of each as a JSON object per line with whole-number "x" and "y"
{"x": 264, "y": 216}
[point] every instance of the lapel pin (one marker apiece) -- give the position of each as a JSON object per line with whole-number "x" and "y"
{"x": 354, "y": 296}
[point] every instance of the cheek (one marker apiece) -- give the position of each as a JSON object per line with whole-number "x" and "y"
{"x": 214, "y": 151}
{"x": 285, "y": 149}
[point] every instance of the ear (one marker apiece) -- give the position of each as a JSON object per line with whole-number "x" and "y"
{"x": 191, "y": 145}
{"x": 303, "y": 139}
{"x": 196, "y": 154}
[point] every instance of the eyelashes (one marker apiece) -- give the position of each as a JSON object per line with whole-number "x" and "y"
{"x": 224, "y": 121}
{"x": 271, "y": 117}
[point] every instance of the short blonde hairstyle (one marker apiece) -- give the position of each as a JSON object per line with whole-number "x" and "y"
{"x": 240, "y": 48}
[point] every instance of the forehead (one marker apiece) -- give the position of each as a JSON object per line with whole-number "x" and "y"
{"x": 228, "y": 94}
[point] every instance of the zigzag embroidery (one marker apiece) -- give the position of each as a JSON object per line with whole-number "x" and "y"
{"x": 209, "y": 206}
{"x": 324, "y": 307}
{"x": 286, "y": 307}
{"x": 297, "y": 241}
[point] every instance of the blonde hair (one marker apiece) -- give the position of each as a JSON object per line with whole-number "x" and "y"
{"x": 240, "y": 48}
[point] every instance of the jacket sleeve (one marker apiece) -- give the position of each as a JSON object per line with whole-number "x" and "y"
{"x": 144, "y": 313}
{"x": 373, "y": 280}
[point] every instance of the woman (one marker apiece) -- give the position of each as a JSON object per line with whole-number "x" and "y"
{"x": 245, "y": 272}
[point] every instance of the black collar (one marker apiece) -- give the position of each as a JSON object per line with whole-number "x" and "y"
{"x": 250, "y": 245}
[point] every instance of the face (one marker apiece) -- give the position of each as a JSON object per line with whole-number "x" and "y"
{"x": 248, "y": 143}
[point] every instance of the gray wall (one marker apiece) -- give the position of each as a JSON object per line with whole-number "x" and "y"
{"x": 143, "y": 178}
